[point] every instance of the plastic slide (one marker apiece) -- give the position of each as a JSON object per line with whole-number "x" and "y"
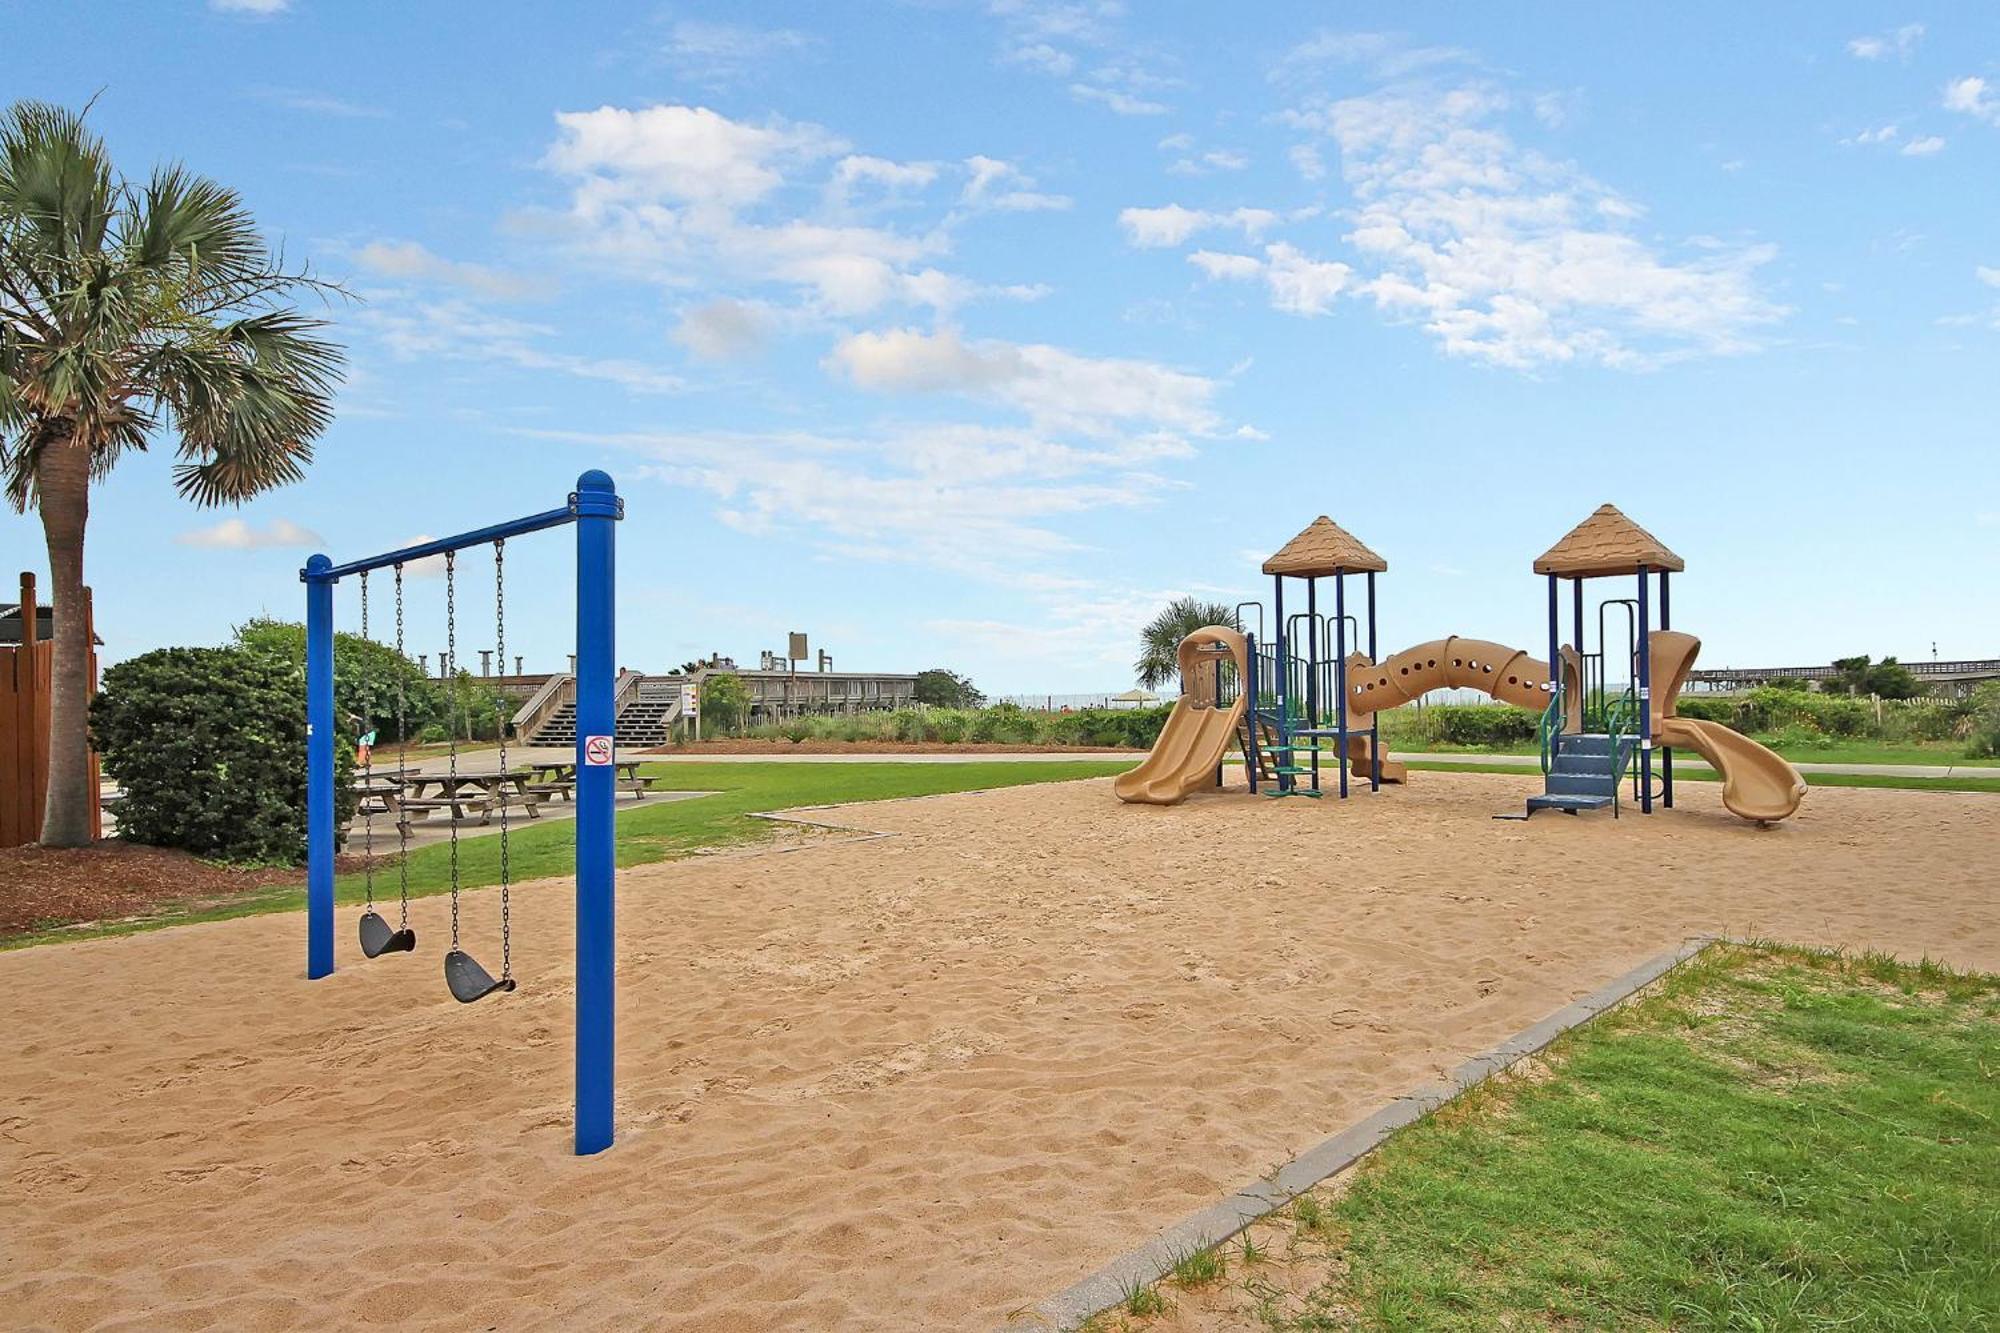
{"x": 1757, "y": 783}
{"x": 1360, "y": 764}
{"x": 1198, "y": 731}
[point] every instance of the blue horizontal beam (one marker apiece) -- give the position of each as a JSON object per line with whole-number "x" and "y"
{"x": 318, "y": 570}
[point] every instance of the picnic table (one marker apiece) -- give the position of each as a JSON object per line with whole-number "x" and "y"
{"x": 465, "y": 794}
{"x": 558, "y": 776}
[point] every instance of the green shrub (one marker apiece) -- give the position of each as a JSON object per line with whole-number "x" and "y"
{"x": 366, "y": 676}
{"x": 1766, "y": 709}
{"x": 1983, "y": 722}
{"x": 1482, "y": 724}
{"x": 1708, "y": 708}
{"x": 209, "y": 745}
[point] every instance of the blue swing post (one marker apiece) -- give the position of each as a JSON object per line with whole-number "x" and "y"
{"x": 597, "y": 509}
{"x": 594, "y": 507}
{"x": 319, "y": 768}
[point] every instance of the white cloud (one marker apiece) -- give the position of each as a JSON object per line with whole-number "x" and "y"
{"x": 1124, "y": 103}
{"x": 686, "y": 197}
{"x": 1973, "y": 96}
{"x": 234, "y": 534}
{"x": 1385, "y": 55}
{"x": 412, "y": 261}
{"x": 715, "y": 53}
{"x": 1298, "y": 284}
{"x": 1172, "y": 225}
{"x": 1507, "y": 256}
{"x": 1055, "y": 37}
{"x": 1307, "y": 162}
{"x": 1057, "y": 389}
{"x": 1219, "y": 265}
{"x": 1881, "y": 135}
{"x": 1002, "y": 187}
{"x": 1989, "y": 276}
{"x": 981, "y": 501}
{"x": 683, "y": 154}
{"x": 858, "y": 169}
{"x": 1215, "y": 159}
{"x": 318, "y": 104}
{"x": 412, "y": 330}
{"x": 724, "y": 330}
{"x": 1925, "y": 147}
{"x": 1902, "y": 42}
{"x": 258, "y": 8}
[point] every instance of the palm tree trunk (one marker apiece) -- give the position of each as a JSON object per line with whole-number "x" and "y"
{"x": 63, "y": 482}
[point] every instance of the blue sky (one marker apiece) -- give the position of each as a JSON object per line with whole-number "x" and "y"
{"x": 968, "y": 334}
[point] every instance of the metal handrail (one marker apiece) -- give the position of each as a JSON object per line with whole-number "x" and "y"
{"x": 1551, "y": 727}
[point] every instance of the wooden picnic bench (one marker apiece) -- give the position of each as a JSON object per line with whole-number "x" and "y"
{"x": 559, "y": 775}
{"x": 479, "y": 793}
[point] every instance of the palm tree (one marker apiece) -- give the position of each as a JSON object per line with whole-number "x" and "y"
{"x": 128, "y": 309}
{"x": 1157, "y": 663}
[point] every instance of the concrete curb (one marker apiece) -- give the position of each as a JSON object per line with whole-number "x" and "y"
{"x": 1225, "y": 1218}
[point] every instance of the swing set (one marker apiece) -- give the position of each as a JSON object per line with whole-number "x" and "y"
{"x": 594, "y": 507}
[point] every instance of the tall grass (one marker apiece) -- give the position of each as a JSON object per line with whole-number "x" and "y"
{"x": 1001, "y": 724}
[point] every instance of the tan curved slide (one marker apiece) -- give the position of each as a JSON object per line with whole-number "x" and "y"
{"x": 1198, "y": 732}
{"x": 1757, "y": 783}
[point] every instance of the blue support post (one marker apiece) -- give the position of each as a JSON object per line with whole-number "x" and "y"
{"x": 1340, "y": 668}
{"x": 1312, "y": 671}
{"x": 1555, "y": 655}
{"x": 1250, "y": 710}
{"x": 1666, "y": 755}
{"x": 597, "y": 508}
{"x": 321, "y": 729}
{"x": 1284, "y": 683}
{"x": 1645, "y": 700}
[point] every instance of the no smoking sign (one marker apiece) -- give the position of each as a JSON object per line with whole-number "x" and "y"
{"x": 597, "y": 751}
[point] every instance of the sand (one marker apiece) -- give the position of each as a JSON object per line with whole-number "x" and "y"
{"x": 918, "y": 1081}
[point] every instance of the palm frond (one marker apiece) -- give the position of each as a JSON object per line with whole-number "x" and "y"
{"x": 55, "y": 181}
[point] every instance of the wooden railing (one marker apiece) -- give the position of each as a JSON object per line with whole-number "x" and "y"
{"x": 27, "y": 677}
{"x": 556, "y": 691}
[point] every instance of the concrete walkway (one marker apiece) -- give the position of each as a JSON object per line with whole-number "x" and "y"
{"x": 1863, "y": 770}
{"x": 1521, "y": 761}
{"x": 905, "y": 757}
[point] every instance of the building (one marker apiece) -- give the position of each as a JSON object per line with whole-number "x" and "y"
{"x": 778, "y": 693}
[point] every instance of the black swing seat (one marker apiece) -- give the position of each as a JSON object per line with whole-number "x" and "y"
{"x": 379, "y": 937}
{"x": 468, "y": 980}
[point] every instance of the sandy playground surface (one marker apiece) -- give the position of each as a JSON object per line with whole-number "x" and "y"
{"x": 909, "y": 1082}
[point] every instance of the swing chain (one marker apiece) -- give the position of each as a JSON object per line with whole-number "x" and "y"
{"x": 367, "y": 765}
{"x": 451, "y": 721}
{"x": 402, "y": 761}
{"x": 500, "y": 635}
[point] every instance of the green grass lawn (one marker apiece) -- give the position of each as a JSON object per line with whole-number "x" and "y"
{"x": 1774, "y": 1139}
{"x": 645, "y": 834}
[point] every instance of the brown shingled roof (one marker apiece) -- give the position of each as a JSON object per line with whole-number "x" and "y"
{"x": 1607, "y": 543}
{"x": 1324, "y": 548}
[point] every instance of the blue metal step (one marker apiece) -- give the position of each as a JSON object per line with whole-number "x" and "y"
{"x": 1580, "y": 784}
{"x": 1569, "y": 803}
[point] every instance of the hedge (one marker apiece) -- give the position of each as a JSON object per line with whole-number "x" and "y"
{"x": 209, "y": 746}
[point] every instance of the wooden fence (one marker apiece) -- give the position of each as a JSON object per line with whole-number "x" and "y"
{"x": 26, "y": 673}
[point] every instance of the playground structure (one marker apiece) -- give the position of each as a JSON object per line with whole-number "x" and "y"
{"x": 594, "y": 508}
{"x": 1304, "y": 697}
